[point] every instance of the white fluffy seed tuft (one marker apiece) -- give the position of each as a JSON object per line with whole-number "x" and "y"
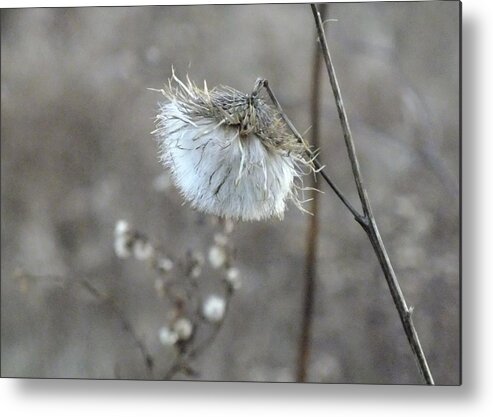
{"x": 217, "y": 256}
{"x": 229, "y": 153}
{"x": 167, "y": 337}
{"x": 122, "y": 239}
{"x": 183, "y": 327}
{"x": 232, "y": 278}
{"x": 214, "y": 308}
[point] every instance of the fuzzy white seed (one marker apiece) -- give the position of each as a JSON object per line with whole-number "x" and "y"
{"x": 122, "y": 247}
{"x": 165, "y": 264}
{"x": 217, "y": 256}
{"x": 167, "y": 337}
{"x": 232, "y": 277}
{"x": 122, "y": 227}
{"x": 214, "y": 308}
{"x": 143, "y": 250}
{"x": 183, "y": 327}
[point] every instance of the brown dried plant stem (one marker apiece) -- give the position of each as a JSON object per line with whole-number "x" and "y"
{"x": 127, "y": 326}
{"x": 86, "y": 284}
{"x": 367, "y": 220}
{"x": 313, "y": 226}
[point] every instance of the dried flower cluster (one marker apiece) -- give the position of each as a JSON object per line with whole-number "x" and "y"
{"x": 195, "y": 317}
{"x": 230, "y": 154}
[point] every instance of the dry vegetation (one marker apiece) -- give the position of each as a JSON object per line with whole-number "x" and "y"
{"x": 77, "y": 156}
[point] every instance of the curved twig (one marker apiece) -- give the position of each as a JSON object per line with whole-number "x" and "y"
{"x": 127, "y": 326}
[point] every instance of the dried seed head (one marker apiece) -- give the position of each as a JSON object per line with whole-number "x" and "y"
{"x": 165, "y": 265}
{"x": 230, "y": 154}
{"x": 123, "y": 239}
{"x": 214, "y": 308}
{"x": 143, "y": 250}
{"x": 217, "y": 256}
{"x": 232, "y": 278}
{"x": 183, "y": 327}
{"x": 167, "y": 336}
{"x": 121, "y": 227}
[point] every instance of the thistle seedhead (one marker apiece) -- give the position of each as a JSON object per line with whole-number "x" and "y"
{"x": 230, "y": 153}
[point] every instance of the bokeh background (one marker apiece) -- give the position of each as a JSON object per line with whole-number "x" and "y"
{"x": 77, "y": 155}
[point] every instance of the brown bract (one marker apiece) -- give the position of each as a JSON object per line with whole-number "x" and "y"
{"x": 228, "y": 106}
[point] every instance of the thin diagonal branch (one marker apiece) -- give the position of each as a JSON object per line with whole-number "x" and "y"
{"x": 358, "y": 217}
{"x": 370, "y": 226}
{"x": 105, "y": 298}
{"x": 341, "y": 111}
{"x": 127, "y": 326}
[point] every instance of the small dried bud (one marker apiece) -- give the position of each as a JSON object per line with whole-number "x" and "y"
{"x": 214, "y": 308}
{"x": 196, "y": 271}
{"x": 167, "y": 336}
{"x": 217, "y": 256}
{"x": 183, "y": 327}
{"x": 123, "y": 239}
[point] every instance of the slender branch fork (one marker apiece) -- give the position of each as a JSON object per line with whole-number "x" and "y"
{"x": 367, "y": 220}
{"x": 358, "y": 217}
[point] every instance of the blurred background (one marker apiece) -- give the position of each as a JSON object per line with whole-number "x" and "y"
{"x": 77, "y": 155}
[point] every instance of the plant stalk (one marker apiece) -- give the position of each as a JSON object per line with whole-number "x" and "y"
{"x": 367, "y": 221}
{"x": 312, "y": 235}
